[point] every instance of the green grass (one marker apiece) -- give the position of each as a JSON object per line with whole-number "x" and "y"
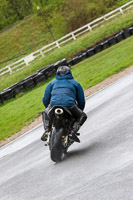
{"x": 24, "y": 37}
{"x": 104, "y": 64}
{"x": 14, "y": 114}
{"x": 70, "y": 49}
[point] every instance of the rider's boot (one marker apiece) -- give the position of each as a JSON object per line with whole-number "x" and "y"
{"x": 73, "y": 133}
{"x": 45, "y": 134}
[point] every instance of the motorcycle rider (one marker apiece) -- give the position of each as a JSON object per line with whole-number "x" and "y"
{"x": 64, "y": 91}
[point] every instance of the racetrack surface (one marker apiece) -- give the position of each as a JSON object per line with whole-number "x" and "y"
{"x": 99, "y": 168}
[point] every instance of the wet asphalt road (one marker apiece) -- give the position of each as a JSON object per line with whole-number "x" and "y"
{"x": 99, "y": 168}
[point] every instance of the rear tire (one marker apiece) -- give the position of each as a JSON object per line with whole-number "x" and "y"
{"x": 57, "y": 152}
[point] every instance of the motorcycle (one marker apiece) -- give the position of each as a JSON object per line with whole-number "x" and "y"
{"x": 59, "y": 139}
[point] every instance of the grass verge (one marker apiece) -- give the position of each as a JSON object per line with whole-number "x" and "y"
{"x": 16, "y": 113}
{"x": 73, "y": 47}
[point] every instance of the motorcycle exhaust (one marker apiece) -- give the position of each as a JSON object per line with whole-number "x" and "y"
{"x": 59, "y": 111}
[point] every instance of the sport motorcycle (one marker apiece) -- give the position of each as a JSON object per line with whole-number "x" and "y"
{"x": 59, "y": 139}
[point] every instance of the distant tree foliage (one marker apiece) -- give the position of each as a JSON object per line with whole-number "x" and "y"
{"x": 13, "y": 10}
{"x": 75, "y": 13}
{"x": 21, "y": 8}
{"x": 61, "y": 16}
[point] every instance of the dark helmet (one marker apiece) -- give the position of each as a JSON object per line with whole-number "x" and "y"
{"x": 63, "y": 70}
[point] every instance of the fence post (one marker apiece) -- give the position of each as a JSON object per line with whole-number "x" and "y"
{"x": 57, "y": 44}
{"x": 73, "y": 36}
{"x": 121, "y": 11}
{"x": 26, "y": 62}
{"x": 105, "y": 18}
{"x": 89, "y": 27}
{"x": 10, "y": 70}
{"x": 42, "y": 53}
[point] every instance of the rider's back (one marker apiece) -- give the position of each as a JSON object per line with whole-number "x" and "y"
{"x": 64, "y": 91}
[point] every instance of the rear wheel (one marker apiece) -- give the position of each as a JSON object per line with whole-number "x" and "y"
{"x": 57, "y": 152}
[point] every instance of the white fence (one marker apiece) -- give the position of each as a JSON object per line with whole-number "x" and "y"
{"x": 23, "y": 62}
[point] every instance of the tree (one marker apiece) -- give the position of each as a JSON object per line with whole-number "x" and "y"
{"x": 13, "y": 10}
{"x": 75, "y": 13}
{"x": 21, "y": 8}
{"x": 7, "y": 15}
{"x": 46, "y": 9}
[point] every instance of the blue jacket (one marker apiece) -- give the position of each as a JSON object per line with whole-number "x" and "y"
{"x": 64, "y": 91}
